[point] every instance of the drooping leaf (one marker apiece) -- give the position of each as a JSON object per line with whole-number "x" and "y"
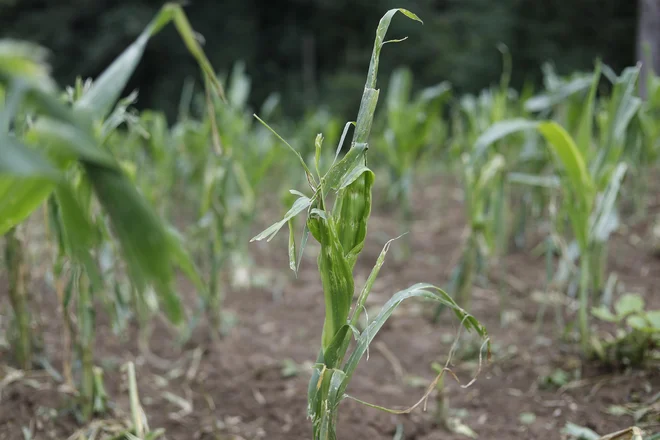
{"x": 299, "y": 206}
{"x": 97, "y": 102}
{"x": 420, "y": 290}
{"x": 144, "y": 241}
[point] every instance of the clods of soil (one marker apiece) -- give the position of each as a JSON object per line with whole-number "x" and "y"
{"x": 252, "y": 382}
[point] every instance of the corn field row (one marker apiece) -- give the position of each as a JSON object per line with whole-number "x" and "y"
{"x": 102, "y": 187}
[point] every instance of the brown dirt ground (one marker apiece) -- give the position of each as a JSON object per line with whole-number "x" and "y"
{"x": 238, "y": 389}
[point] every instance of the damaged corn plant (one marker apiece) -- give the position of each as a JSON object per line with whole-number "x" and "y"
{"x": 55, "y": 150}
{"x": 337, "y": 214}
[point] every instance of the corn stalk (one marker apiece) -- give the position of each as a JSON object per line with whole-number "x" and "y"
{"x": 341, "y": 231}
{"x": 18, "y": 297}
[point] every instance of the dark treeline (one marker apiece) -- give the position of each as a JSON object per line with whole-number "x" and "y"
{"x": 313, "y": 51}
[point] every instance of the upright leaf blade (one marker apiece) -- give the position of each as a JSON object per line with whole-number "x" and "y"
{"x": 570, "y": 157}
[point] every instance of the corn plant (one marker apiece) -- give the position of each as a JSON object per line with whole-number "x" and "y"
{"x": 591, "y": 177}
{"x": 412, "y": 126}
{"x": 484, "y": 181}
{"x": 57, "y": 150}
{"x": 340, "y": 228}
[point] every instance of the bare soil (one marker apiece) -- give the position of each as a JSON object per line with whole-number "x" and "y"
{"x": 252, "y": 383}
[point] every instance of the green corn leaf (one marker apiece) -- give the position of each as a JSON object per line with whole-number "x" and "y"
{"x": 183, "y": 260}
{"x": 383, "y": 26}
{"x": 570, "y": 157}
{"x": 12, "y": 101}
{"x": 292, "y": 248}
{"x": 333, "y": 353}
{"x": 627, "y": 105}
{"x": 341, "y": 140}
{"x": 303, "y": 244}
{"x": 370, "y": 94}
{"x": 327, "y": 398}
{"x": 420, "y": 290}
{"x": 78, "y": 227}
{"x": 145, "y": 243}
{"x": 623, "y": 106}
{"x": 368, "y": 285}
{"x": 19, "y": 161}
{"x": 353, "y": 159}
{"x": 490, "y": 171}
{"x": 299, "y": 206}
{"x": 26, "y": 180}
{"x": 604, "y": 220}
{"x": 585, "y": 129}
{"x": 434, "y": 92}
{"x": 298, "y": 155}
{"x": 318, "y": 143}
{"x": 351, "y": 213}
{"x": 550, "y": 182}
{"x": 334, "y": 392}
{"x": 68, "y": 139}
{"x": 500, "y": 130}
{"x": 365, "y": 116}
{"x": 79, "y": 233}
{"x": 26, "y": 60}
{"x": 353, "y": 175}
{"x": 19, "y": 198}
{"x": 337, "y": 281}
{"x": 313, "y": 395}
{"x": 398, "y": 93}
{"x": 550, "y": 99}
{"x": 105, "y": 91}
{"x": 188, "y": 35}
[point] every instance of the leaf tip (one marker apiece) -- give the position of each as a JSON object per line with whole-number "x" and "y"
{"x": 410, "y": 15}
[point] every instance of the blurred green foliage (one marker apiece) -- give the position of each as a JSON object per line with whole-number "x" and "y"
{"x": 315, "y": 51}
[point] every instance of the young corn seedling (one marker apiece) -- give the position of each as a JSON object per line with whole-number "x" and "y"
{"x": 340, "y": 228}
{"x": 591, "y": 177}
{"x": 59, "y": 151}
{"x": 480, "y": 186}
{"x": 410, "y": 129}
